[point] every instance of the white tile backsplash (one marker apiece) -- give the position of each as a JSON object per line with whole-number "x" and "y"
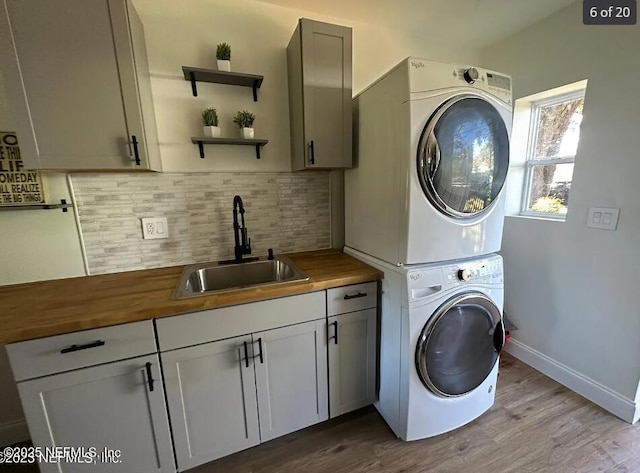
{"x": 284, "y": 211}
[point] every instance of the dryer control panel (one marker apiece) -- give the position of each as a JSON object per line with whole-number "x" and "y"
{"x": 425, "y": 76}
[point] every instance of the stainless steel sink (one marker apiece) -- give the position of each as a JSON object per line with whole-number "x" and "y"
{"x": 211, "y": 278}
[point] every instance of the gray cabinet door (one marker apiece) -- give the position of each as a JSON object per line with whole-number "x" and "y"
{"x": 108, "y": 406}
{"x": 352, "y": 361}
{"x": 211, "y": 394}
{"x": 320, "y": 64}
{"x": 72, "y": 83}
{"x": 291, "y": 378}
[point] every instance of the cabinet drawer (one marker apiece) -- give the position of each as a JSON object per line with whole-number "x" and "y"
{"x": 351, "y": 298}
{"x": 76, "y": 350}
{"x": 217, "y": 324}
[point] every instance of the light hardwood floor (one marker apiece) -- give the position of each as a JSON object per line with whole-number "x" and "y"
{"x": 536, "y": 425}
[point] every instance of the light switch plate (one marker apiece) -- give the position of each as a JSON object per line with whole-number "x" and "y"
{"x": 603, "y": 218}
{"x": 155, "y": 228}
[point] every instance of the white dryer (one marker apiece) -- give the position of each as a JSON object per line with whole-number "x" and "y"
{"x": 432, "y": 153}
{"x": 440, "y": 339}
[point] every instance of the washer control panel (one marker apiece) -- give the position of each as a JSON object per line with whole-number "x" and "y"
{"x": 429, "y": 281}
{"x": 485, "y": 271}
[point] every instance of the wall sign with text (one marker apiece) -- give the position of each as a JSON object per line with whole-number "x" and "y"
{"x": 18, "y": 186}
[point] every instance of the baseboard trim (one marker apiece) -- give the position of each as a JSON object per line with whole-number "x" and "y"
{"x": 609, "y": 400}
{"x": 11, "y": 434}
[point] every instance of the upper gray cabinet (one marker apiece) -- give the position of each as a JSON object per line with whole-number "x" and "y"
{"x": 77, "y": 82}
{"x": 319, "y": 64}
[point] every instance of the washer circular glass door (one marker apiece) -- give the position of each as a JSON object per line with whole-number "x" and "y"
{"x": 463, "y": 156}
{"x": 459, "y": 345}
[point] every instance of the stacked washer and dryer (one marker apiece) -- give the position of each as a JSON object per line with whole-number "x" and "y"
{"x": 425, "y": 204}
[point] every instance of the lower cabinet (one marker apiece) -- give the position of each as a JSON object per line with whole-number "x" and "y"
{"x": 117, "y": 406}
{"x": 211, "y": 394}
{"x": 352, "y": 361}
{"x": 234, "y": 377}
{"x": 229, "y": 395}
{"x": 291, "y": 378}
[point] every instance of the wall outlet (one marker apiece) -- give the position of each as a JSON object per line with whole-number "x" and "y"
{"x": 604, "y": 218}
{"x": 154, "y": 228}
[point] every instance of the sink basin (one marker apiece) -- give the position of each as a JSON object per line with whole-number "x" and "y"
{"x": 211, "y": 278}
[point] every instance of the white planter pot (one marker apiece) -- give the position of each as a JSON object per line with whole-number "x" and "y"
{"x": 211, "y": 131}
{"x": 247, "y": 133}
{"x": 224, "y": 65}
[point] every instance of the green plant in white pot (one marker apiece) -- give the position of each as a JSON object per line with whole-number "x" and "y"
{"x": 244, "y": 120}
{"x": 210, "y": 123}
{"x": 223, "y": 56}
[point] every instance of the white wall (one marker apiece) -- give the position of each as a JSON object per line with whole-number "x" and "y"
{"x": 186, "y": 33}
{"x": 570, "y": 289}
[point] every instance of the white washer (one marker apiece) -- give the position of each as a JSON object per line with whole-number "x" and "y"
{"x": 432, "y": 153}
{"x": 440, "y": 338}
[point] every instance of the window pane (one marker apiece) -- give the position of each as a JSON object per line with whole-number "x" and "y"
{"x": 558, "y": 130}
{"x": 550, "y": 185}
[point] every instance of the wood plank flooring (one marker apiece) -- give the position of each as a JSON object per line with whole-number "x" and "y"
{"x": 536, "y": 425}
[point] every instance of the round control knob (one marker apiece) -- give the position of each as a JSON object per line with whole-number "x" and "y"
{"x": 471, "y": 75}
{"x": 464, "y": 274}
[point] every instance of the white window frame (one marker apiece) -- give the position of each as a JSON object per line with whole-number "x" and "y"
{"x": 531, "y": 162}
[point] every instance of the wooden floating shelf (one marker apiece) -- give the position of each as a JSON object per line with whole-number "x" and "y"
{"x": 201, "y": 141}
{"x": 198, "y": 74}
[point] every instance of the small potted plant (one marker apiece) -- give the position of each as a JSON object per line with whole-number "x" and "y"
{"x": 223, "y": 55}
{"x": 244, "y": 120}
{"x": 210, "y": 122}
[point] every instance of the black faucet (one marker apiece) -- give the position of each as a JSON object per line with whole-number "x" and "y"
{"x": 242, "y": 241}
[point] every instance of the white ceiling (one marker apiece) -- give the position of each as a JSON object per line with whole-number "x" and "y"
{"x": 475, "y": 23}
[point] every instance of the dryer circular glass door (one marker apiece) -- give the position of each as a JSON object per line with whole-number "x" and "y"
{"x": 463, "y": 156}
{"x": 459, "y": 345}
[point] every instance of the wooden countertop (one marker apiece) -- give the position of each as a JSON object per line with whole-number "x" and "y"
{"x": 47, "y": 308}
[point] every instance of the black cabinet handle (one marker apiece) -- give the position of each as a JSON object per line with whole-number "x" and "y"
{"x": 334, "y": 337}
{"x": 259, "y": 355}
{"x": 72, "y": 348}
{"x": 136, "y": 154}
{"x": 149, "y": 376}
{"x": 355, "y": 296}
{"x": 312, "y": 159}
{"x": 246, "y": 354}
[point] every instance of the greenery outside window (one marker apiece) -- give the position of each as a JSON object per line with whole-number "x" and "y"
{"x": 554, "y": 133}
